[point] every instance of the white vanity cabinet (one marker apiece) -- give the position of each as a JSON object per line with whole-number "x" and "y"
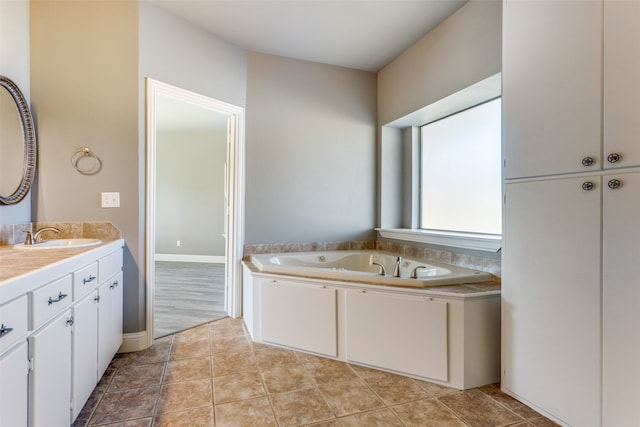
{"x": 14, "y": 362}
{"x": 379, "y": 325}
{"x": 14, "y": 393}
{"x": 109, "y": 309}
{"x": 85, "y": 350}
{"x": 62, "y": 340}
{"x": 299, "y": 315}
{"x": 50, "y": 376}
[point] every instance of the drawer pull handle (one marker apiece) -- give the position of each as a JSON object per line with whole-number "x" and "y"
{"x": 88, "y": 279}
{"x": 4, "y": 330}
{"x": 70, "y": 321}
{"x": 114, "y": 285}
{"x": 61, "y": 296}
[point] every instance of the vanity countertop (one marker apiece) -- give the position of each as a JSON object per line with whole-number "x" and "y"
{"x": 21, "y": 270}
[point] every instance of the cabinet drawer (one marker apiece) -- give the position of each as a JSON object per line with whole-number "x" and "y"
{"x": 85, "y": 280}
{"x": 50, "y": 300}
{"x": 110, "y": 265}
{"x": 14, "y": 322}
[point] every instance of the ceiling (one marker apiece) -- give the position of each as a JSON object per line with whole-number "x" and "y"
{"x": 360, "y": 34}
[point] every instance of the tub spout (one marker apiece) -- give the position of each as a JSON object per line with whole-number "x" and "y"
{"x": 382, "y": 270}
{"x": 396, "y": 269}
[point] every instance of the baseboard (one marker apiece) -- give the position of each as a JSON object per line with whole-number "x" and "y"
{"x": 190, "y": 258}
{"x": 135, "y": 341}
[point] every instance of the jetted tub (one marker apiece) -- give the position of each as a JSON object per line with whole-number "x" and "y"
{"x": 360, "y": 266}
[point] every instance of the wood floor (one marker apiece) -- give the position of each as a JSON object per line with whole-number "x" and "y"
{"x": 187, "y": 294}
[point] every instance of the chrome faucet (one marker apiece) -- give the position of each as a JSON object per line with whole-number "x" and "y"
{"x": 32, "y": 240}
{"x": 396, "y": 269}
{"x": 382, "y": 270}
{"x": 414, "y": 273}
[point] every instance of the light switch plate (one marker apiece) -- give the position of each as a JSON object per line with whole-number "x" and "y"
{"x": 110, "y": 200}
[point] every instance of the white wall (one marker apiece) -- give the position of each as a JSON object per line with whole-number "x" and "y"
{"x": 310, "y": 152}
{"x": 14, "y": 64}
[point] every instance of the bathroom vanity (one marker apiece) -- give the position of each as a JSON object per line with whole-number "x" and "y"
{"x": 447, "y": 334}
{"x": 61, "y": 317}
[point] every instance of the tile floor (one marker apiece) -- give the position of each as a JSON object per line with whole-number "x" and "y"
{"x": 214, "y": 375}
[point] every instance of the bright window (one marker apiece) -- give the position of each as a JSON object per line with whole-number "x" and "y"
{"x": 460, "y": 173}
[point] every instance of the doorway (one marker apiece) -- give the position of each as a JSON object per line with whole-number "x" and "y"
{"x": 193, "y": 245}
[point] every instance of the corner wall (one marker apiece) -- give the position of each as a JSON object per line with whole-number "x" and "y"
{"x": 310, "y": 152}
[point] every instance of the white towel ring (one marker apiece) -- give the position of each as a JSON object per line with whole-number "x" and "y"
{"x": 93, "y": 168}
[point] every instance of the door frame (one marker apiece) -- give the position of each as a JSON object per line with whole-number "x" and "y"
{"x": 234, "y": 193}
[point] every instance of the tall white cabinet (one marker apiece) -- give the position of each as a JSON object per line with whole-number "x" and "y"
{"x": 570, "y": 301}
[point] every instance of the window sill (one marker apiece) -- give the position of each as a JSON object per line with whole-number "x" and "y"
{"x": 475, "y": 241}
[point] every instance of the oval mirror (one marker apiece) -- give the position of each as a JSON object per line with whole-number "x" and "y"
{"x": 17, "y": 144}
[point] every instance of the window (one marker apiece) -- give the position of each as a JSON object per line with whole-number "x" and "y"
{"x": 440, "y": 173}
{"x": 460, "y": 173}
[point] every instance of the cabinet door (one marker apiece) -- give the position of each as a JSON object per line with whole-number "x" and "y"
{"x": 551, "y": 79}
{"x": 109, "y": 321}
{"x": 85, "y": 351}
{"x": 378, "y": 325}
{"x": 300, "y": 316}
{"x": 551, "y": 303}
{"x": 621, "y": 293}
{"x": 14, "y": 380}
{"x": 622, "y": 82}
{"x": 50, "y": 379}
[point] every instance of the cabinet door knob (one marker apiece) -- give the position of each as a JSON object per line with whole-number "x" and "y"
{"x": 70, "y": 321}
{"x": 588, "y": 186}
{"x": 614, "y": 158}
{"x": 588, "y": 161}
{"x": 614, "y": 184}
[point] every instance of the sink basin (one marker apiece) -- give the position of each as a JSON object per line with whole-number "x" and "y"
{"x": 61, "y": 243}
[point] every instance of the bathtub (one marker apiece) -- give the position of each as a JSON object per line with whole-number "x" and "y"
{"x": 360, "y": 266}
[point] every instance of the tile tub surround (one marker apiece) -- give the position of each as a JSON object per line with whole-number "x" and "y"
{"x": 11, "y": 234}
{"x": 489, "y": 265}
{"x": 214, "y": 375}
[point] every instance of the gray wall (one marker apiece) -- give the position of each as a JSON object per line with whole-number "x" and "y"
{"x": 14, "y": 64}
{"x": 190, "y": 192}
{"x": 310, "y": 152}
{"x": 87, "y": 79}
{"x": 463, "y": 50}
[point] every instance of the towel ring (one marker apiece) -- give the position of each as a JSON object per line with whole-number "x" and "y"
{"x": 93, "y": 169}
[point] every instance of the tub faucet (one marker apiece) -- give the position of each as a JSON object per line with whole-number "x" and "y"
{"x": 29, "y": 240}
{"x": 396, "y": 269}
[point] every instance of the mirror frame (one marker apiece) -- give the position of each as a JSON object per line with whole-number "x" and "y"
{"x": 29, "y": 143}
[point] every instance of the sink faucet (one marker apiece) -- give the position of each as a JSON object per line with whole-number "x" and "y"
{"x": 396, "y": 269}
{"x": 382, "y": 271}
{"x": 32, "y": 240}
